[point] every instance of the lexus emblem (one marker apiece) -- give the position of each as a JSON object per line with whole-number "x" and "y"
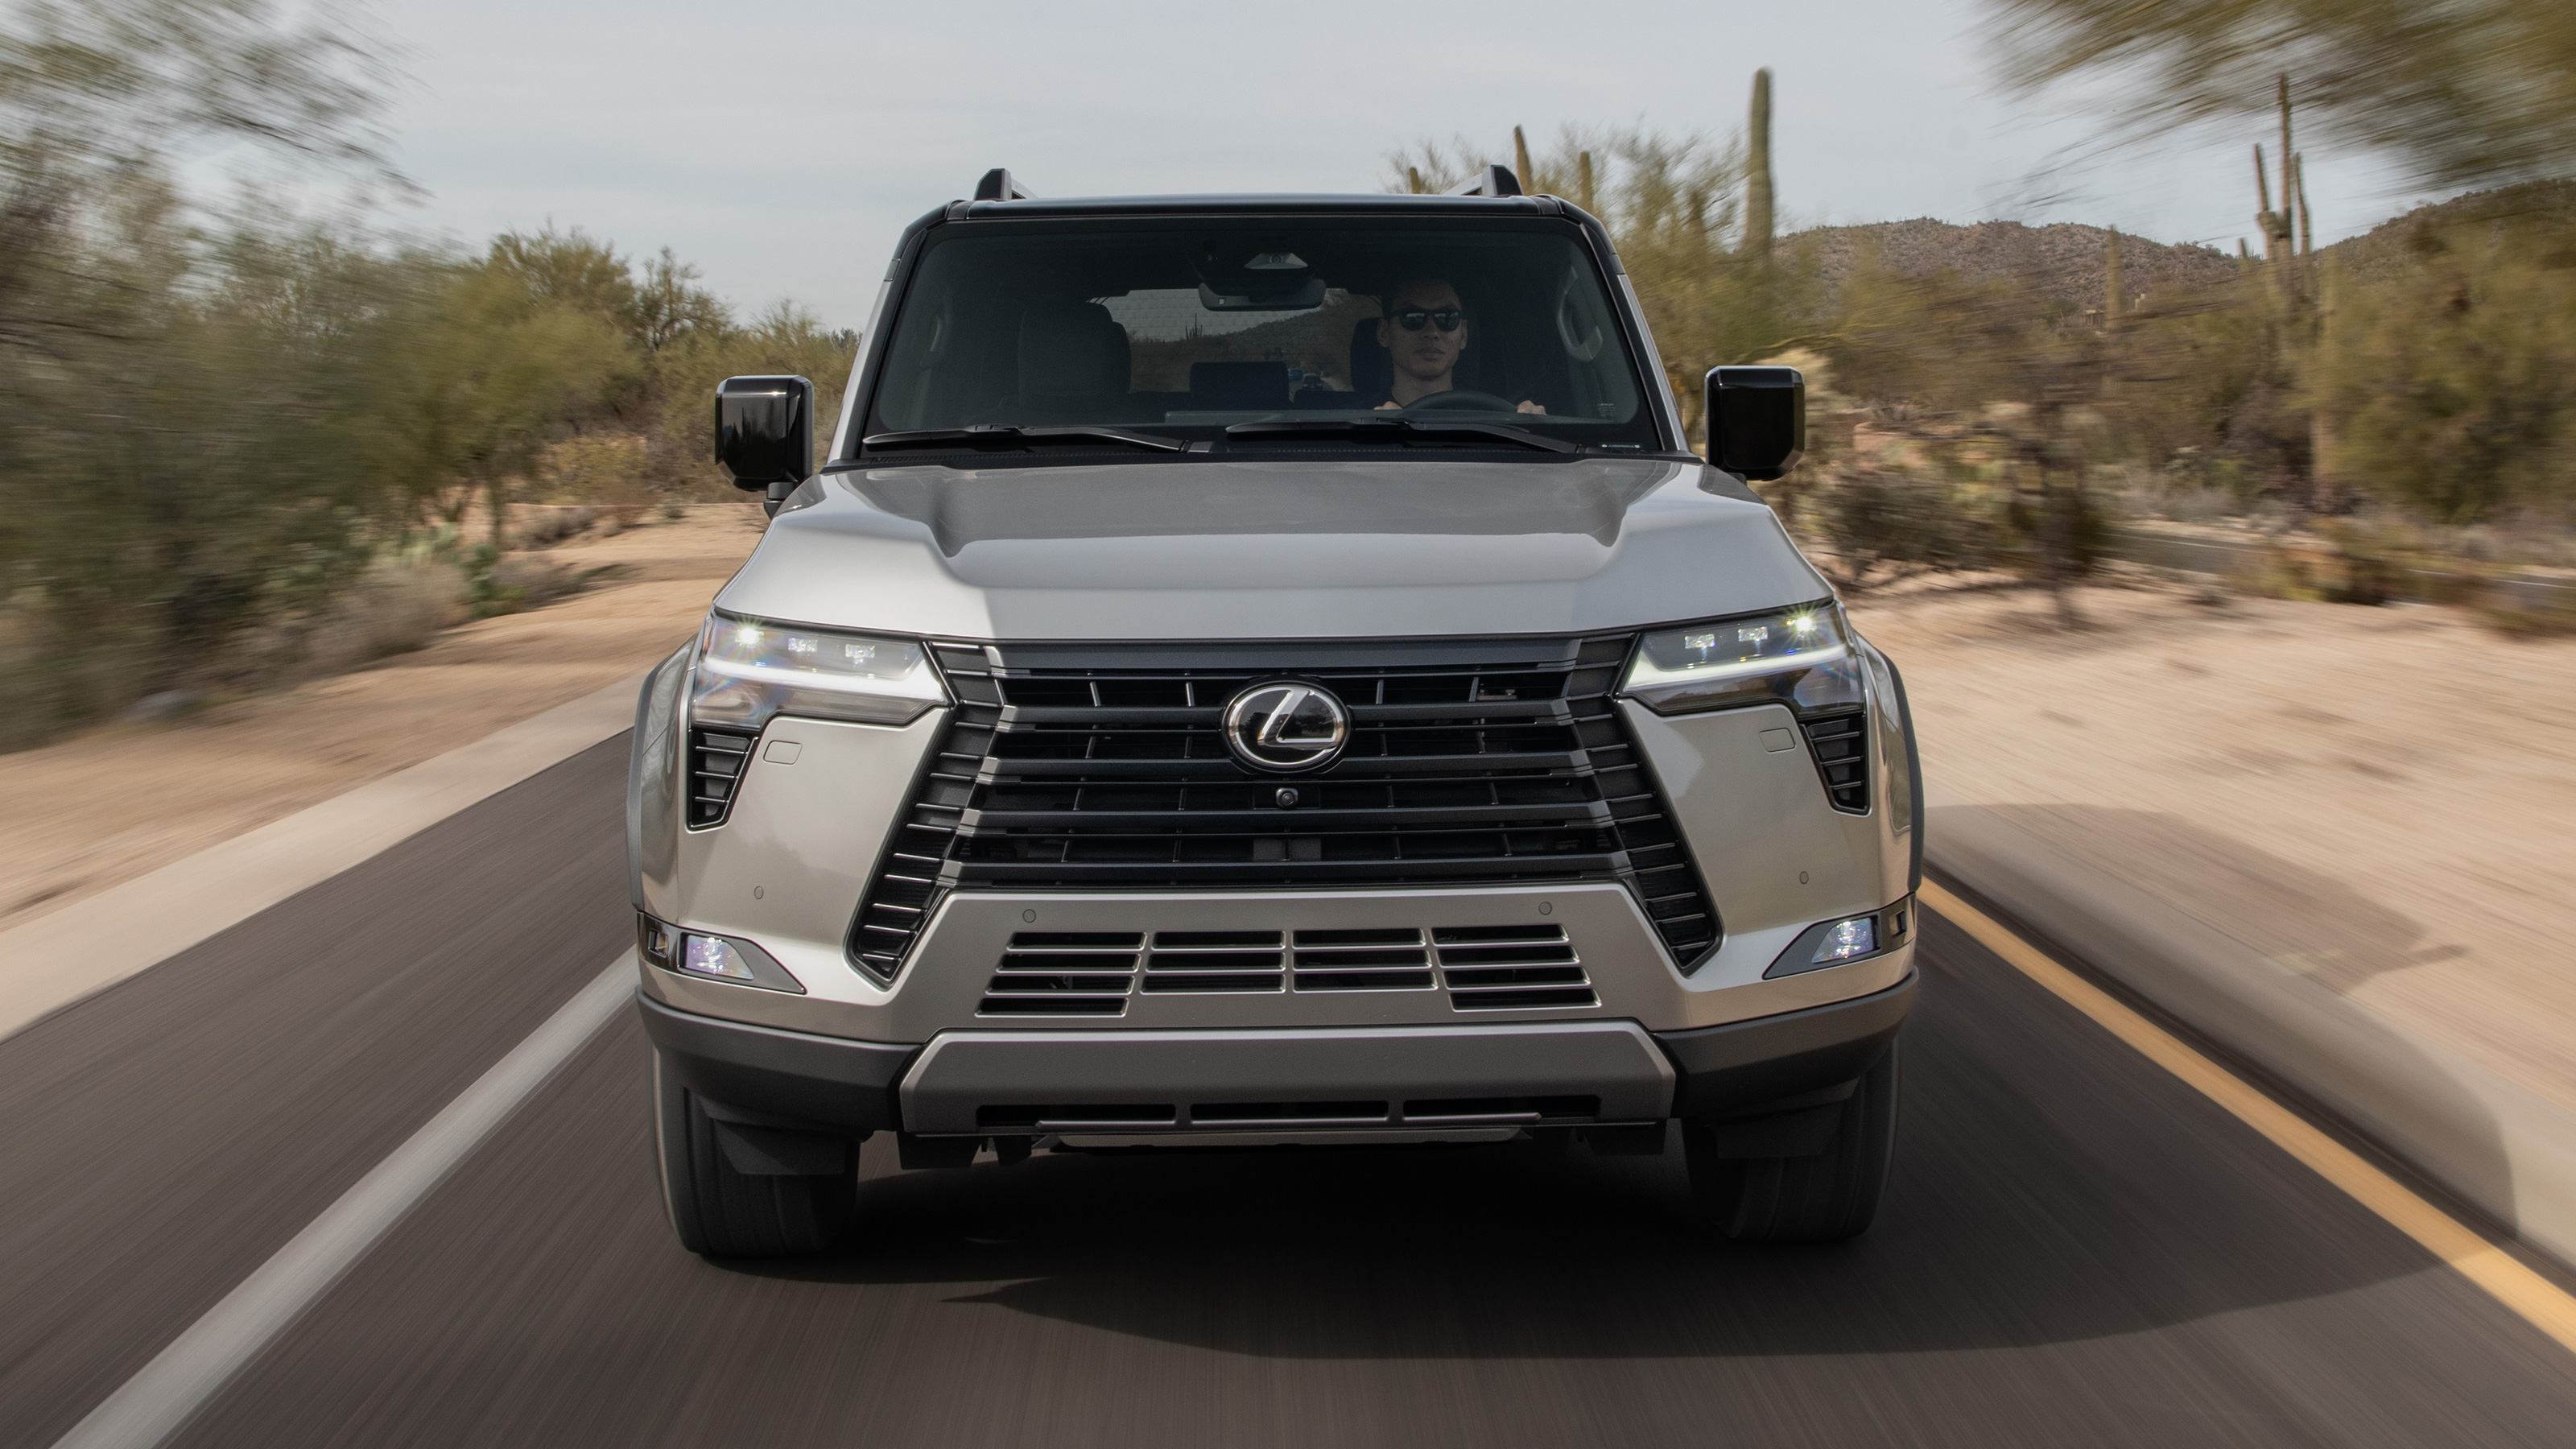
{"x": 1284, "y": 725}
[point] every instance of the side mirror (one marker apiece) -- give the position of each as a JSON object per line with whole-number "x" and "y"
{"x": 765, "y": 431}
{"x": 1757, "y": 420}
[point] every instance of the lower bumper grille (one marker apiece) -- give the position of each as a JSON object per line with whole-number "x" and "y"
{"x": 1096, "y": 973}
{"x": 1079, "y": 767}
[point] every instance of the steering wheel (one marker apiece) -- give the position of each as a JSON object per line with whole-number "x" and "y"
{"x": 1461, "y": 400}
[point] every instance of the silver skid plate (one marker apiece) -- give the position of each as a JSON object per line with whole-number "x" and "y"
{"x": 1138, "y": 1081}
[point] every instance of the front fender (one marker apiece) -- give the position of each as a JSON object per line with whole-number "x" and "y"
{"x": 653, "y": 786}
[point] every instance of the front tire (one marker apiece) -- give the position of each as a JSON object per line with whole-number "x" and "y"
{"x": 1823, "y": 1198}
{"x": 723, "y": 1213}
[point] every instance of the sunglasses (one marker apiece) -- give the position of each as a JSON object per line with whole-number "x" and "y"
{"x": 1445, "y": 318}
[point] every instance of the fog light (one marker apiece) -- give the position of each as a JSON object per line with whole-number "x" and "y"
{"x": 1843, "y": 940}
{"x": 710, "y": 956}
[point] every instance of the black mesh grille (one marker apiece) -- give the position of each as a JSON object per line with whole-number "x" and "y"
{"x": 1102, "y": 767}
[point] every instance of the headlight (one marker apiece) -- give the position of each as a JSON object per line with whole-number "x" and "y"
{"x": 751, "y": 669}
{"x": 1798, "y": 657}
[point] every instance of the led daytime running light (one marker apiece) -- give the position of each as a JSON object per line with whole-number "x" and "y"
{"x": 1801, "y": 657}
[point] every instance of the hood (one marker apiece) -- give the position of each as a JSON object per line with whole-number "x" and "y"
{"x": 1271, "y": 549}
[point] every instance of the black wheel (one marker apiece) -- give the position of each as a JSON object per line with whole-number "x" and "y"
{"x": 1823, "y": 1198}
{"x": 724, "y": 1213}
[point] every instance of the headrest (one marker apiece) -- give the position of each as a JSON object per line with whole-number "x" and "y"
{"x": 1071, "y": 350}
{"x": 1372, "y": 371}
{"x": 1239, "y": 384}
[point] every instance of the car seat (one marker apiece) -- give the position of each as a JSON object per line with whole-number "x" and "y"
{"x": 1372, "y": 371}
{"x": 1074, "y": 363}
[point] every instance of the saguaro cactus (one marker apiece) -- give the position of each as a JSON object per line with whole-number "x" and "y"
{"x": 2266, "y": 220}
{"x": 2285, "y": 273}
{"x": 1757, "y": 170}
{"x": 2307, "y": 232}
{"x": 2115, "y": 300}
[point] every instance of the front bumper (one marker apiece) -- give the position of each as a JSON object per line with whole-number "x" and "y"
{"x": 1005, "y": 1083}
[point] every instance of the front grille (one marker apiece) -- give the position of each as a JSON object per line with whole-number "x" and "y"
{"x": 1093, "y": 973}
{"x": 1480, "y": 762}
{"x": 1842, "y": 759}
{"x": 716, "y": 760}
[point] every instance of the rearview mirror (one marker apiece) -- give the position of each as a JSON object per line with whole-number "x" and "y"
{"x": 1757, "y": 420}
{"x": 765, "y": 431}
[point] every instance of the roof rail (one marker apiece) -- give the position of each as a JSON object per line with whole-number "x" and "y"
{"x": 997, "y": 185}
{"x": 1489, "y": 181}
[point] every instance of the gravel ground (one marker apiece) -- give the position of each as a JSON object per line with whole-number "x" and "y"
{"x": 2384, "y": 799}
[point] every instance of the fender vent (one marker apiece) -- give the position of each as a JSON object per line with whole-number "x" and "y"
{"x": 1842, "y": 760}
{"x": 716, "y": 761}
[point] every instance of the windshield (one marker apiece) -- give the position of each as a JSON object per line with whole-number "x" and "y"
{"x": 1483, "y": 334}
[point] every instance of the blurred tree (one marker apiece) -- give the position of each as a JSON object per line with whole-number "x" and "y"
{"x": 172, "y": 387}
{"x": 569, "y": 268}
{"x": 2449, "y": 390}
{"x": 2457, "y": 92}
{"x": 670, "y": 306}
{"x": 471, "y": 382}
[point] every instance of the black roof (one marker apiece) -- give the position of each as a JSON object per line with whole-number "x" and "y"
{"x": 1260, "y": 203}
{"x": 1366, "y": 201}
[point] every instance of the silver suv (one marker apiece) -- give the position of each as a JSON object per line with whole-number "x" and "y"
{"x": 1269, "y": 668}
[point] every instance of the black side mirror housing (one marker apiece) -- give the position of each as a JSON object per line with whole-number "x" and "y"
{"x": 1757, "y": 420}
{"x": 765, "y": 432}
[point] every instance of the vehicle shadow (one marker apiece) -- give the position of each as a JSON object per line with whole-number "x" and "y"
{"x": 2260, "y": 955}
{"x": 2315, "y": 924}
{"x": 2050, "y": 1187}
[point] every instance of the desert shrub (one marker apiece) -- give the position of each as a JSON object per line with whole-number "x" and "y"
{"x": 2448, "y": 387}
{"x": 397, "y": 604}
{"x": 1880, "y": 525}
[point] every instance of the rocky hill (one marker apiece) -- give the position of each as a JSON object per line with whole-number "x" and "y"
{"x": 2382, "y": 251}
{"x": 2065, "y": 260}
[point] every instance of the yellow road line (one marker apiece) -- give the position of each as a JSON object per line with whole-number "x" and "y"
{"x": 2510, "y": 1282}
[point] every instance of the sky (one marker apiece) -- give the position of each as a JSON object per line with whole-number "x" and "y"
{"x": 780, "y": 146}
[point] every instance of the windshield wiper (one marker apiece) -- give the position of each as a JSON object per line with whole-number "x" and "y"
{"x": 1395, "y": 430}
{"x": 1005, "y": 437}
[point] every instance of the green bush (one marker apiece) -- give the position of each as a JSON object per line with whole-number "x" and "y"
{"x": 2449, "y": 385}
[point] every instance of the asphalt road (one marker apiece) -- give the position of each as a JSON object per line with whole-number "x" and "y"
{"x": 2078, "y": 1249}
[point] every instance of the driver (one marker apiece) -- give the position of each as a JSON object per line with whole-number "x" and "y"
{"x": 1424, "y": 331}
